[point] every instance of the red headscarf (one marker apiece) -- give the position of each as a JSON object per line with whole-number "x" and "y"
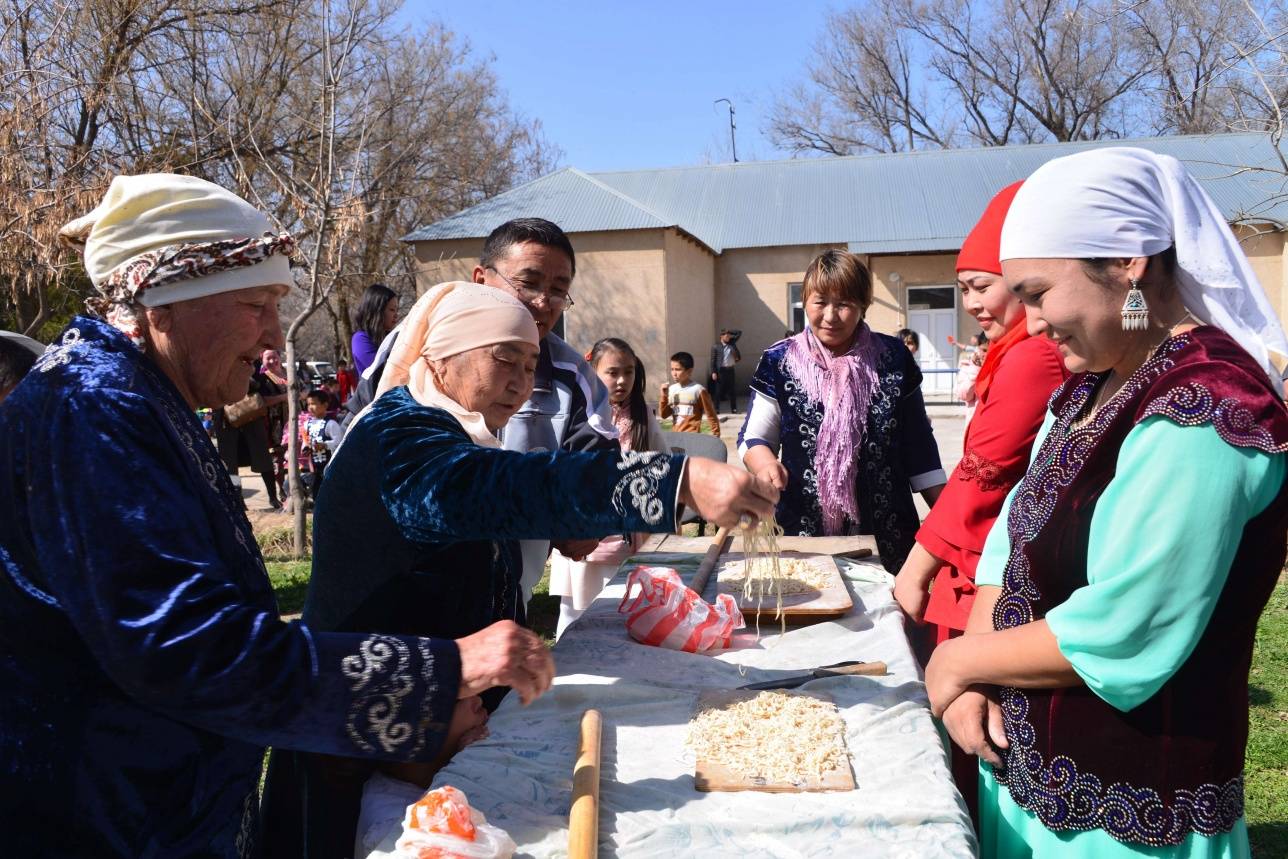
{"x": 980, "y": 252}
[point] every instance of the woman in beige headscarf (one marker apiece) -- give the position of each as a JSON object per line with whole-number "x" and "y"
{"x": 417, "y": 524}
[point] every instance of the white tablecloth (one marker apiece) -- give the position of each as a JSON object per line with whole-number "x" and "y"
{"x": 905, "y": 804}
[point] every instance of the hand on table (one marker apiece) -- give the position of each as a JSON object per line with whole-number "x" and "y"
{"x": 974, "y": 721}
{"x": 576, "y": 550}
{"x": 724, "y": 494}
{"x": 469, "y": 724}
{"x": 505, "y": 654}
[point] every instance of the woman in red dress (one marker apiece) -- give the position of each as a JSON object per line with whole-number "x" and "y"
{"x": 1012, "y": 390}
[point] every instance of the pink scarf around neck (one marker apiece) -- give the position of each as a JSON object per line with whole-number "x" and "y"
{"x": 843, "y": 384}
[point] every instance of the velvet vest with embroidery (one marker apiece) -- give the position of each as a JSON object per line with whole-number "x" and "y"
{"x": 1173, "y": 765}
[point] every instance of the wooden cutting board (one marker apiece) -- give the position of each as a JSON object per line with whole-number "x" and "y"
{"x": 831, "y": 602}
{"x": 709, "y": 776}
{"x": 820, "y": 545}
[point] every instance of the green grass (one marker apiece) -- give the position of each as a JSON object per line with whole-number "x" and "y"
{"x": 543, "y": 610}
{"x": 1266, "y": 764}
{"x": 290, "y": 580}
{"x": 278, "y": 543}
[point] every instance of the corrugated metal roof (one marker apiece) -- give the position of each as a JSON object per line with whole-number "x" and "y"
{"x": 903, "y": 202}
{"x": 569, "y": 197}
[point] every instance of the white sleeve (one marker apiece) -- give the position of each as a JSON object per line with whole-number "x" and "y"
{"x": 334, "y": 435}
{"x": 763, "y": 424}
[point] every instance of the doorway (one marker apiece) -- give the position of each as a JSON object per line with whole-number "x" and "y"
{"x": 932, "y": 313}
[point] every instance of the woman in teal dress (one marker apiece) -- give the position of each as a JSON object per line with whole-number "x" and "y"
{"x": 1102, "y": 679}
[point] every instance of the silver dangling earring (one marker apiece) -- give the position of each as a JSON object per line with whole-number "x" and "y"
{"x": 1135, "y": 310}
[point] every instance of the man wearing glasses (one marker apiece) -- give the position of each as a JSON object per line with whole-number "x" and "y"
{"x": 532, "y": 259}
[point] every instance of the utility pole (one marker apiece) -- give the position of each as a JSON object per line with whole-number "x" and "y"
{"x": 733, "y": 141}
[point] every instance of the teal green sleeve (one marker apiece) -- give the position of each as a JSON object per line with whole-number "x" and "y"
{"x": 997, "y": 547}
{"x": 1158, "y": 556}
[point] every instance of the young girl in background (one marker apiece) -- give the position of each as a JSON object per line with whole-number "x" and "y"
{"x": 578, "y": 582}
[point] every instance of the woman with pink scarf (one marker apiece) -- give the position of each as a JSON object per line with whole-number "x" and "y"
{"x": 836, "y": 420}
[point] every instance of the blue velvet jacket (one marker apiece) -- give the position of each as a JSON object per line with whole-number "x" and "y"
{"x": 143, "y": 663}
{"x": 416, "y": 527}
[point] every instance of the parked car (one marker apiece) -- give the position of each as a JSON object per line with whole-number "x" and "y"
{"x": 321, "y": 370}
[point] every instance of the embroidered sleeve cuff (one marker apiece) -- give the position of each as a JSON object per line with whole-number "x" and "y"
{"x": 648, "y": 482}
{"x": 927, "y": 479}
{"x": 402, "y": 694}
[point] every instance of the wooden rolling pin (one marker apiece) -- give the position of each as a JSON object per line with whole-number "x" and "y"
{"x": 718, "y": 546}
{"x": 583, "y": 817}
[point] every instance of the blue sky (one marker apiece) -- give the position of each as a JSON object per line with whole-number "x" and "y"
{"x": 621, "y": 86}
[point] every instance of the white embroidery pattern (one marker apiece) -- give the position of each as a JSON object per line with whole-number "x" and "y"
{"x": 217, "y": 478}
{"x": 645, "y": 471}
{"x": 380, "y": 678}
{"x": 58, "y": 354}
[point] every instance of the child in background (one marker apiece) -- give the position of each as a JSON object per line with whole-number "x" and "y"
{"x": 686, "y": 400}
{"x": 321, "y": 436}
{"x": 345, "y": 379}
{"x": 577, "y": 583}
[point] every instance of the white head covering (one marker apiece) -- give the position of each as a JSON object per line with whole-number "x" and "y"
{"x": 145, "y": 213}
{"x": 1127, "y": 202}
{"x": 449, "y": 319}
{"x": 161, "y": 238}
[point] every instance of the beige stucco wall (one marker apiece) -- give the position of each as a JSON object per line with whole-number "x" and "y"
{"x": 690, "y": 306}
{"x": 663, "y": 292}
{"x": 441, "y": 261}
{"x": 1265, "y": 251}
{"x": 890, "y": 307}
{"x": 620, "y": 292}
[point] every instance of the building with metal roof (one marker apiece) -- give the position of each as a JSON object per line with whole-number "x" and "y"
{"x": 666, "y": 257}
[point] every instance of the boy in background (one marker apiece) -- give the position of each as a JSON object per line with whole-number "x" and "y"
{"x": 686, "y": 401}
{"x": 321, "y": 436}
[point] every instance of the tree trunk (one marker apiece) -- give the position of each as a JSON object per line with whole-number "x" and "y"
{"x": 298, "y": 494}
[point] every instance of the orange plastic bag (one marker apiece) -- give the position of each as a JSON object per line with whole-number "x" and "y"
{"x": 441, "y": 825}
{"x": 662, "y": 612}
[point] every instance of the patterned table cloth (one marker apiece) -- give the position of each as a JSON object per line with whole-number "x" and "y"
{"x": 905, "y": 804}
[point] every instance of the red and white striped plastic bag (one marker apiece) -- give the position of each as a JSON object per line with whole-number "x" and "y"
{"x": 662, "y": 612}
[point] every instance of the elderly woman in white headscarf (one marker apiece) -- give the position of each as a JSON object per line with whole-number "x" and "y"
{"x": 1103, "y": 675}
{"x": 419, "y": 519}
{"x": 143, "y": 660}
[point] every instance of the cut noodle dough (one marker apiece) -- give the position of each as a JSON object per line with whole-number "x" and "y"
{"x": 775, "y": 735}
{"x": 797, "y": 576}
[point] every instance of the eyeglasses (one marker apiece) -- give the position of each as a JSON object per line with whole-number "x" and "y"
{"x": 533, "y": 295}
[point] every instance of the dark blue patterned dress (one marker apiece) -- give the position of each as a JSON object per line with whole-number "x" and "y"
{"x": 899, "y": 454}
